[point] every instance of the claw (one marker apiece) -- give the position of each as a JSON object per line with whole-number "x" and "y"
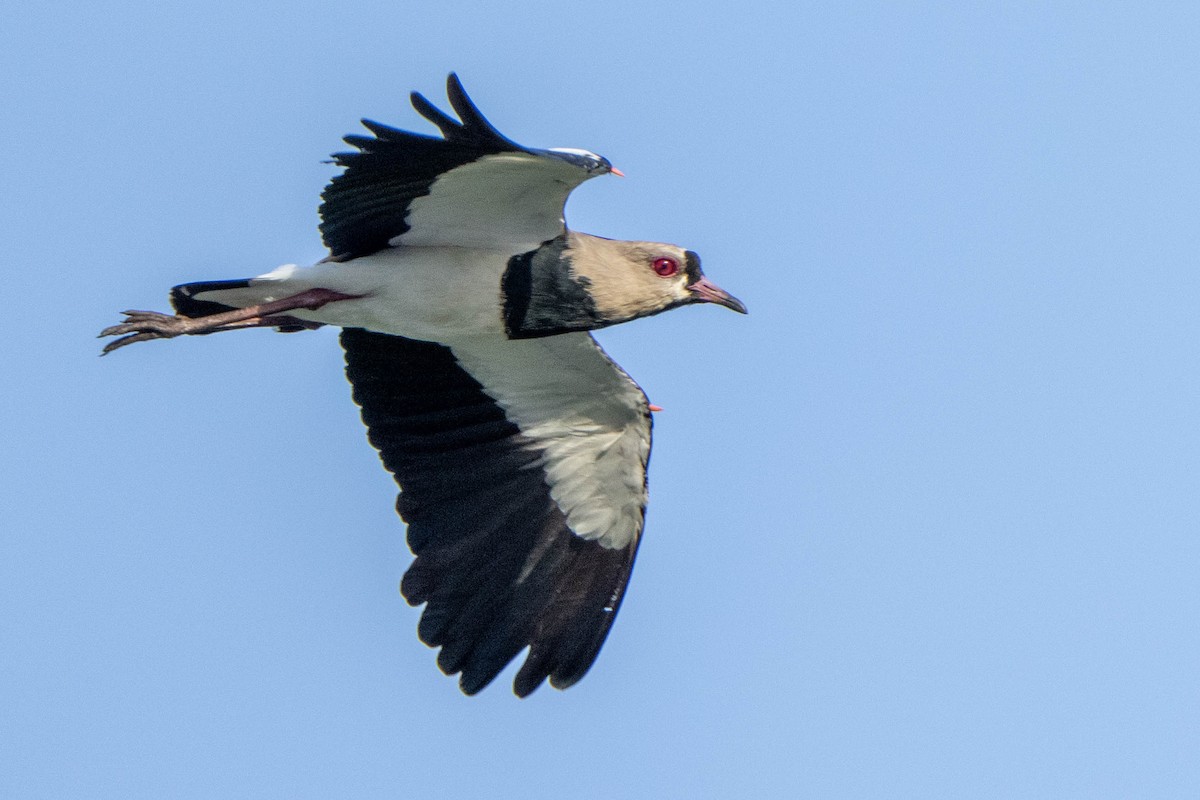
{"x": 142, "y": 326}
{"x": 130, "y": 339}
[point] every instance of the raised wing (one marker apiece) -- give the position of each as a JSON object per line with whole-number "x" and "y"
{"x": 471, "y": 187}
{"x": 522, "y": 468}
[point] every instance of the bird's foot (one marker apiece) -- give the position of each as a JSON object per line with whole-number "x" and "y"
{"x": 142, "y": 326}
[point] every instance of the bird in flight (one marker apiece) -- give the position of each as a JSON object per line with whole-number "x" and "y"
{"x": 465, "y": 303}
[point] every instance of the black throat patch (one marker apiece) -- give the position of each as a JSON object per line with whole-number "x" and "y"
{"x": 542, "y": 296}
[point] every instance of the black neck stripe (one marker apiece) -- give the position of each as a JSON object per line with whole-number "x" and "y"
{"x": 542, "y": 296}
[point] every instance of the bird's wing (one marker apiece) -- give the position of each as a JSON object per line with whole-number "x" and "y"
{"x": 471, "y": 187}
{"x": 522, "y": 468}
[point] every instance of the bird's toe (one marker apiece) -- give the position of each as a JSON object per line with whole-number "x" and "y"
{"x": 142, "y": 326}
{"x": 130, "y": 339}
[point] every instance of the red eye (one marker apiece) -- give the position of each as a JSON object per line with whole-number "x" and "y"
{"x": 666, "y": 267}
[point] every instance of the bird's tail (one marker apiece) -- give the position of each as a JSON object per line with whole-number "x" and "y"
{"x": 185, "y": 302}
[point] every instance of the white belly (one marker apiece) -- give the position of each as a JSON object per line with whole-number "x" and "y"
{"x": 432, "y": 293}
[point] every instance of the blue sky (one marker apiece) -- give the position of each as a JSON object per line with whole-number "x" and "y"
{"x": 924, "y": 524}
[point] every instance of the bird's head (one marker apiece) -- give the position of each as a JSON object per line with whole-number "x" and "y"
{"x": 581, "y": 282}
{"x": 635, "y": 279}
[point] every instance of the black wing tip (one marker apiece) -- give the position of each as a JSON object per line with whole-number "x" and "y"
{"x": 445, "y": 123}
{"x": 378, "y": 128}
{"x": 471, "y": 685}
{"x": 464, "y": 106}
{"x": 526, "y": 682}
{"x": 456, "y": 92}
{"x": 543, "y": 666}
{"x": 526, "y": 687}
{"x": 564, "y": 639}
{"x": 470, "y": 125}
{"x": 420, "y": 102}
{"x": 472, "y": 118}
{"x": 523, "y": 684}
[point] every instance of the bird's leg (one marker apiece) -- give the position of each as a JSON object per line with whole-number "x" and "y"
{"x": 142, "y": 326}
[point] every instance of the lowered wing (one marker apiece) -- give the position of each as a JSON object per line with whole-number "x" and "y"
{"x": 522, "y": 469}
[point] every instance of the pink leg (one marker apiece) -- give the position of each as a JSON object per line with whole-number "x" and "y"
{"x": 141, "y": 326}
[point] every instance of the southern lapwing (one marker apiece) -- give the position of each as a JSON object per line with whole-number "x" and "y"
{"x": 520, "y": 448}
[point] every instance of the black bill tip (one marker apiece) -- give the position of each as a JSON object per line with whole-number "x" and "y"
{"x": 705, "y": 291}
